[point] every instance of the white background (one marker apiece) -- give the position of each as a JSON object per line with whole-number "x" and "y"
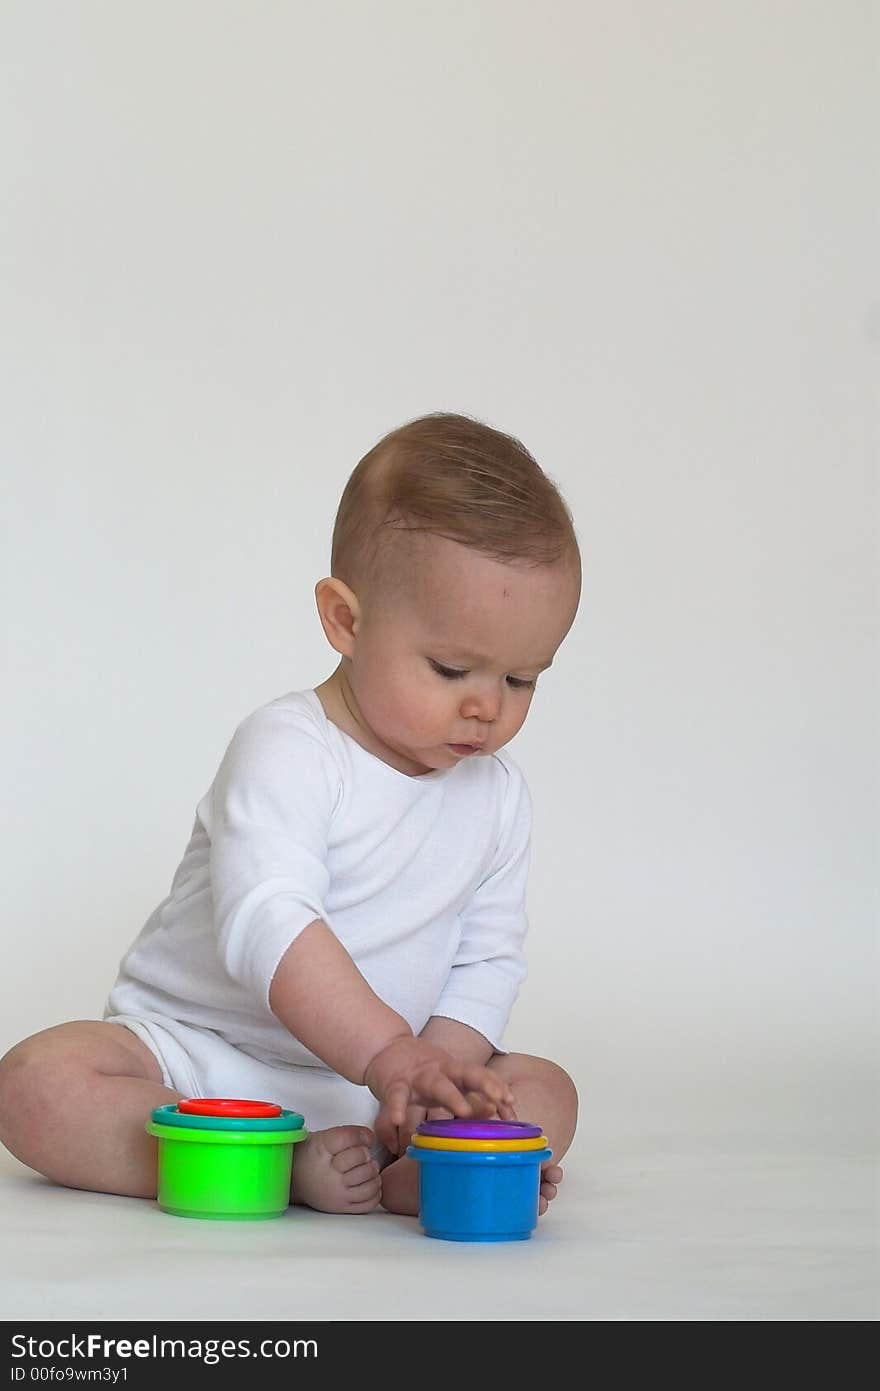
{"x": 240, "y": 242}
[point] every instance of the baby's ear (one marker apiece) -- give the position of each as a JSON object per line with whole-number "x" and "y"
{"x": 339, "y": 611}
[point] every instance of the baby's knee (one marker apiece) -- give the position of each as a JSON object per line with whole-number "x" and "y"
{"x": 24, "y": 1073}
{"x": 17, "y": 1090}
{"x": 36, "y": 1077}
{"x": 15, "y": 1064}
{"x": 552, "y": 1079}
{"x": 558, "y": 1079}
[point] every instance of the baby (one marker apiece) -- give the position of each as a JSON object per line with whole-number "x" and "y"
{"x": 344, "y": 933}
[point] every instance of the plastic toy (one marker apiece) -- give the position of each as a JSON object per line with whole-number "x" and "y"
{"x": 225, "y": 1159}
{"x": 432, "y": 1142}
{"x": 480, "y": 1130}
{"x": 479, "y": 1180}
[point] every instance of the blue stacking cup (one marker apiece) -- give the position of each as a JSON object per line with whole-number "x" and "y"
{"x": 479, "y": 1196}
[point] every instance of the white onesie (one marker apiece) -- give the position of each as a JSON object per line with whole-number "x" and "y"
{"x": 422, "y": 879}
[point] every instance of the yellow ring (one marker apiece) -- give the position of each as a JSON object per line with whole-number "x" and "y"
{"x": 442, "y": 1142}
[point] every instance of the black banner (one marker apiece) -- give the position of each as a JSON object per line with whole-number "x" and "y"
{"x": 126, "y": 1354}
{"x": 100, "y": 1353}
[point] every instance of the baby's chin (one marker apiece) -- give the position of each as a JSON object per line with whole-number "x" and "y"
{"x": 424, "y": 756}
{"x": 430, "y": 760}
{"x": 460, "y": 753}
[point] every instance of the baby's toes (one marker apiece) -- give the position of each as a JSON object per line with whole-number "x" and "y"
{"x": 356, "y": 1166}
{"x": 340, "y": 1140}
{"x": 359, "y": 1175}
{"x": 364, "y": 1196}
{"x": 551, "y": 1177}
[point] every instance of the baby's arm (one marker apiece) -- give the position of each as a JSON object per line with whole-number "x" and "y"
{"x": 459, "y": 1039}
{"x": 319, "y": 994}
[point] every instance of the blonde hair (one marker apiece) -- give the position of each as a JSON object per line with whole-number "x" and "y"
{"x": 449, "y": 475}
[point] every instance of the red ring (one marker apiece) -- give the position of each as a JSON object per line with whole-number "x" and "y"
{"x": 228, "y": 1106}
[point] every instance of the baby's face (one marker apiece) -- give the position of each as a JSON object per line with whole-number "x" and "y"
{"x": 453, "y": 660}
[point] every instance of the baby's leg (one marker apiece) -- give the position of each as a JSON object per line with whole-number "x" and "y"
{"x": 74, "y": 1101}
{"x": 73, "y": 1104}
{"x": 543, "y": 1093}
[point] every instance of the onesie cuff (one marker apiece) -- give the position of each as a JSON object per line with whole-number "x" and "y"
{"x": 271, "y": 929}
{"x": 488, "y": 1020}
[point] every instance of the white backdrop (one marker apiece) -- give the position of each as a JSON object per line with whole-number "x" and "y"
{"x": 240, "y": 242}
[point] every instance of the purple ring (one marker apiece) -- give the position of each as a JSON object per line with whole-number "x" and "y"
{"x": 480, "y": 1130}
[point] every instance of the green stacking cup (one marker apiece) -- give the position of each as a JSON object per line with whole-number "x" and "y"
{"x": 224, "y": 1159}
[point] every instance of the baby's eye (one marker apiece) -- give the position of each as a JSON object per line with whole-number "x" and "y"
{"x": 453, "y": 674}
{"x": 449, "y": 672}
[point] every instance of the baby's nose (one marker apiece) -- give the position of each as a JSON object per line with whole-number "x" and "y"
{"x": 484, "y": 707}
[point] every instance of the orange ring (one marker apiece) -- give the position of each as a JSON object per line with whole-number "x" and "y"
{"x": 233, "y": 1107}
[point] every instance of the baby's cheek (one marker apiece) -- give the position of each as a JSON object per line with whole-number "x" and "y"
{"x": 416, "y": 709}
{"x": 426, "y": 724}
{"x": 404, "y": 715}
{"x": 517, "y": 715}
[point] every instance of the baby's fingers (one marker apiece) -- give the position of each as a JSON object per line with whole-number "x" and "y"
{"x": 489, "y": 1110}
{"x": 440, "y": 1090}
{"x": 414, "y": 1117}
{"x": 397, "y": 1099}
{"x": 483, "y": 1080}
{"x": 481, "y": 1107}
{"x": 386, "y": 1131}
{"x": 484, "y": 1109}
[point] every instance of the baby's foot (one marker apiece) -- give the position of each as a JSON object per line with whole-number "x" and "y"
{"x": 334, "y": 1171}
{"x": 400, "y": 1187}
{"x": 551, "y": 1177}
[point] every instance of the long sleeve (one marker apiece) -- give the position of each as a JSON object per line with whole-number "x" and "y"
{"x": 489, "y": 965}
{"x": 268, "y": 815}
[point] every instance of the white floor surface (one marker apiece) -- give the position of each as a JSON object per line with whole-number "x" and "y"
{"x": 656, "y": 1229}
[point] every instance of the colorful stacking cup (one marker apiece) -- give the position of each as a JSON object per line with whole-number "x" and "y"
{"x": 486, "y": 1187}
{"x": 225, "y": 1159}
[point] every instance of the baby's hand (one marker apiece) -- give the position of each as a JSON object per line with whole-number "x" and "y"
{"x": 395, "y": 1138}
{"x": 410, "y": 1072}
